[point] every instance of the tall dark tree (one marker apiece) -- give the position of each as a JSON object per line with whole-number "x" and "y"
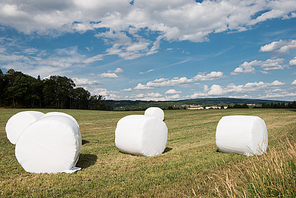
{"x": 98, "y": 103}
{"x": 64, "y": 87}
{"x": 57, "y": 91}
{"x": 79, "y": 98}
{"x": 293, "y": 105}
{"x": 18, "y": 89}
{"x": 35, "y": 95}
{"x": 2, "y": 87}
{"x": 49, "y": 92}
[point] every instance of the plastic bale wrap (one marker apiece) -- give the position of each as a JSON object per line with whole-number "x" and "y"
{"x": 141, "y": 135}
{"x": 19, "y": 122}
{"x": 52, "y": 144}
{"x": 245, "y": 135}
{"x": 156, "y": 112}
{"x": 61, "y": 114}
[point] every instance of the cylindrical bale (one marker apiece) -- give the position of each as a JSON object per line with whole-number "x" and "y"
{"x": 245, "y": 135}
{"x": 50, "y": 145}
{"x": 19, "y": 122}
{"x": 141, "y": 135}
{"x": 156, "y": 112}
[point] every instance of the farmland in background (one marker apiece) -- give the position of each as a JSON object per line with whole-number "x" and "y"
{"x": 189, "y": 167}
{"x": 183, "y": 104}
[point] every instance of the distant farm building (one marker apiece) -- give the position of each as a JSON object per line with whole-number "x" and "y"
{"x": 199, "y": 107}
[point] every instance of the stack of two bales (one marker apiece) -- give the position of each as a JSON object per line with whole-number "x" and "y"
{"x": 45, "y": 143}
{"x": 144, "y": 135}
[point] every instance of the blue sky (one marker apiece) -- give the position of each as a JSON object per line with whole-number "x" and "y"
{"x": 156, "y": 50}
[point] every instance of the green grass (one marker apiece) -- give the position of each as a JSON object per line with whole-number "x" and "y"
{"x": 190, "y": 166}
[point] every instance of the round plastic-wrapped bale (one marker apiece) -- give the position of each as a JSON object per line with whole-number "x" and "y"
{"x": 19, "y": 122}
{"x": 50, "y": 145}
{"x": 156, "y": 112}
{"x": 141, "y": 135}
{"x": 245, "y": 135}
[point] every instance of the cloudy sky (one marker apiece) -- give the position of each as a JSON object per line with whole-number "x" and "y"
{"x": 156, "y": 50}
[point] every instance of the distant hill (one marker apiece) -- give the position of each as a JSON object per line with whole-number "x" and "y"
{"x": 141, "y": 105}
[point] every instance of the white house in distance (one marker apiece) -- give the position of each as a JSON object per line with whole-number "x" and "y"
{"x": 199, "y": 107}
{"x": 194, "y": 107}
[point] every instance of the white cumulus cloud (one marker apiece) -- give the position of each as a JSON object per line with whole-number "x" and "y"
{"x": 152, "y": 94}
{"x": 269, "y": 64}
{"x": 118, "y": 70}
{"x": 177, "y": 81}
{"x": 127, "y": 90}
{"x": 174, "y": 97}
{"x": 108, "y": 75}
{"x": 276, "y": 82}
{"x": 84, "y": 81}
{"x": 142, "y": 87}
{"x": 172, "y": 91}
{"x": 122, "y": 24}
{"x": 293, "y": 62}
{"x": 279, "y": 47}
{"x": 216, "y": 90}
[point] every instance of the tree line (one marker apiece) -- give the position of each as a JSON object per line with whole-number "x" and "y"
{"x": 24, "y": 91}
{"x": 239, "y": 106}
{"x": 280, "y": 105}
{"x": 291, "y": 105}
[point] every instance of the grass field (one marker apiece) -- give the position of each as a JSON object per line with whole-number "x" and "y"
{"x": 189, "y": 167}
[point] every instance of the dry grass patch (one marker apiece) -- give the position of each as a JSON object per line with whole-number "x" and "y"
{"x": 270, "y": 175}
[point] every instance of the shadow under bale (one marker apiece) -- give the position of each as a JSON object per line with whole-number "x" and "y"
{"x": 167, "y": 149}
{"x": 84, "y": 142}
{"x": 86, "y": 160}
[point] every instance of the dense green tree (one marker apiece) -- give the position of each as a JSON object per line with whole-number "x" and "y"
{"x": 64, "y": 87}
{"x": 57, "y": 90}
{"x": 276, "y": 105}
{"x": 95, "y": 102}
{"x": 265, "y": 105}
{"x": 2, "y": 87}
{"x": 239, "y": 106}
{"x": 79, "y": 98}
{"x": 35, "y": 95}
{"x": 283, "y": 105}
{"x": 18, "y": 90}
{"x": 49, "y": 92}
{"x": 293, "y": 105}
{"x": 98, "y": 103}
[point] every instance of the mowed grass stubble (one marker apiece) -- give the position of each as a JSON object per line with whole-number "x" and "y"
{"x": 186, "y": 168}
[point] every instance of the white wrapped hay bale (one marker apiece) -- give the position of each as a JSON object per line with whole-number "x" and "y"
{"x": 51, "y": 144}
{"x": 156, "y": 112}
{"x": 245, "y": 135}
{"x": 19, "y": 122}
{"x": 141, "y": 135}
